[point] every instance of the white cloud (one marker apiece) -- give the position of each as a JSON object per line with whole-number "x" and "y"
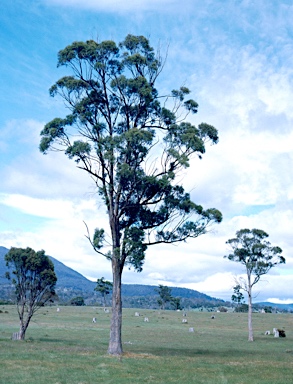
{"x": 216, "y": 285}
{"x": 278, "y": 301}
{"x": 31, "y": 173}
{"x": 62, "y": 232}
{"x": 115, "y": 5}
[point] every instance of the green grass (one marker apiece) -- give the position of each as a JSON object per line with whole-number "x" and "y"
{"x": 67, "y": 348}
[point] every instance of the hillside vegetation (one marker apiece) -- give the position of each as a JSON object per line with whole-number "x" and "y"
{"x": 71, "y": 284}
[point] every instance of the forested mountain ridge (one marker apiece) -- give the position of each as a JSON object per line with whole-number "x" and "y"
{"x": 71, "y": 283}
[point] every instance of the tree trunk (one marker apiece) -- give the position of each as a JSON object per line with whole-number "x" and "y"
{"x": 250, "y": 331}
{"x": 21, "y": 334}
{"x": 115, "y": 343}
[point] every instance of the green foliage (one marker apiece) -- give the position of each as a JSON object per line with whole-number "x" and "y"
{"x": 242, "y": 308}
{"x": 33, "y": 273}
{"x": 117, "y": 118}
{"x": 268, "y": 309}
{"x": 222, "y": 309}
{"x": 237, "y": 297}
{"x": 165, "y": 295}
{"x": 104, "y": 287}
{"x": 34, "y": 281}
{"x": 77, "y": 301}
{"x": 99, "y": 237}
{"x": 176, "y": 303}
{"x": 251, "y": 249}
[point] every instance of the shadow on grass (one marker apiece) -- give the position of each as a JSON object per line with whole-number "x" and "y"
{"x": 44, "y": 339}
{"x": 193, "y": 352}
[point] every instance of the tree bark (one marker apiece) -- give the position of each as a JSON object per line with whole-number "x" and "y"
{"x": 250, "y": 330}
{"x": 23, "y": 327}
{"x": 115, "y": 343}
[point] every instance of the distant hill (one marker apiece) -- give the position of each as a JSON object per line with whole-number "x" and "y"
{"x": 287, "y": 307}
{"x": 67, "y": 277}
{"x": 3, "y": 267}
{"x": 71, "y": 283}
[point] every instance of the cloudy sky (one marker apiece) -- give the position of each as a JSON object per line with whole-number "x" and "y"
{"x": 237, "y": 58}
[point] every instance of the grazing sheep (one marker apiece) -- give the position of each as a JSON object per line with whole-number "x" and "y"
{"x": 94, "y": 320}
{"x": 146, "y": 319}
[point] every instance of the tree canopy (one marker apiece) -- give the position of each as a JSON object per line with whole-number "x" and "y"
{"x": 104, "y": 287}
{"x": 134, "y": 144}
{"x": 251, "y": 249}
{"x": 34, "y": 280}
{"x": 165, "y": 295}
{"x": 237, "y": 296}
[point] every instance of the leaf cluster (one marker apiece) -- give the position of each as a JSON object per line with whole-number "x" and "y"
{"x": 104, "y": 286}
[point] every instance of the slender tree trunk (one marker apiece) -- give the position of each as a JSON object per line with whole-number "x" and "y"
{"x": 21, "y": 333}
{"x": 115, "y": 343}
{"x": 250, "y": 331}
{"x": 23, "y": 327}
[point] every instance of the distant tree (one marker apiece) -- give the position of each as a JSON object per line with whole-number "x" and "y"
{"x": 34, "y": 280}
{"x": 104, "y": 287}
{"x": 176, "y": 303}
{"x": 77, "y": 301}
{"x": 251, "y": 249}
{"x": 165, "y": 295}
{"x": 243, "y": 308}
{"x": 237, "y": 297}
{"x": 133, "y": 143}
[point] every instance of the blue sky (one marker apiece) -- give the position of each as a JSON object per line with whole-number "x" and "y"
{"x": 237, "y": 58}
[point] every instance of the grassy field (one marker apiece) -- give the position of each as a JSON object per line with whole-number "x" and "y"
{"x": 67, "y": 348}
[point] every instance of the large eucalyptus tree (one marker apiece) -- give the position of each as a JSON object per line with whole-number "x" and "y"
{"x": 133, "y": 143}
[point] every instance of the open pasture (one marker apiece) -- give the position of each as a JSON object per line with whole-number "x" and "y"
{"x": 65, "y": 347}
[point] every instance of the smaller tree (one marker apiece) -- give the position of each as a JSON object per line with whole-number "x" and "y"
{"x": 165, "y": 295}
{"x": 77, "y": 301}
{"x": 34, "y": 281}
{"x": 243, "y": 308}
{"x": 251, "y": 249}
{"x": 176, "y": 303}
{"x": 104, "y": 287}
{"x": 237, "y": 297}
